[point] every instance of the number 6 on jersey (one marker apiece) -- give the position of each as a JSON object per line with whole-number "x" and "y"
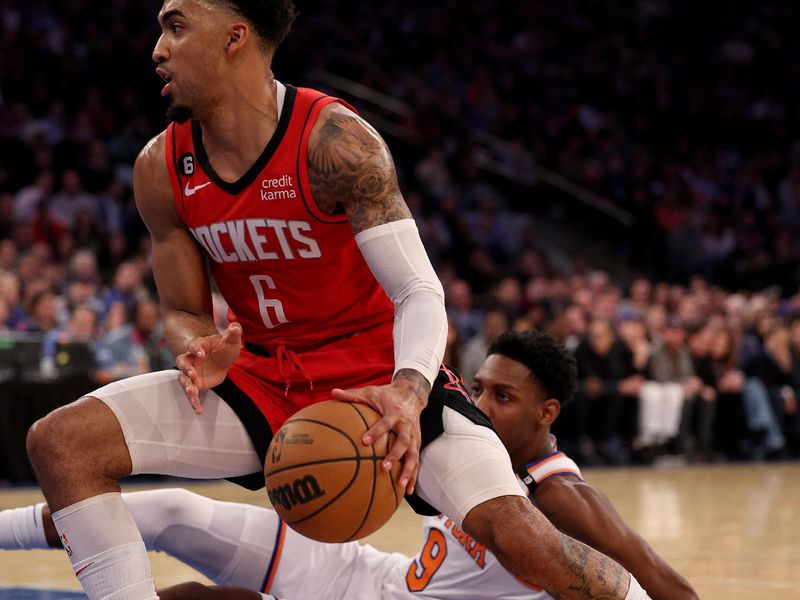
{"x": 268, "y": 307}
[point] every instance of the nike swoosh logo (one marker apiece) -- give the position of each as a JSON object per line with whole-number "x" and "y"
{"x": 189, "y": 191}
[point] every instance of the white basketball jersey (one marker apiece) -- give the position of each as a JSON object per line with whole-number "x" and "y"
{"x": 452, "y": 565}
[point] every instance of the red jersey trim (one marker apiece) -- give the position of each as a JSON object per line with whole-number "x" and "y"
{"x": 172, "y": 166}
{"x": 302, "y": 165}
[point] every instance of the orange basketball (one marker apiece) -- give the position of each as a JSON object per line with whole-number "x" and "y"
{"x": 323, "y": 481}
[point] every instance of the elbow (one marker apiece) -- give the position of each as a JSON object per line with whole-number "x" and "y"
{"x": 422, "y": 289}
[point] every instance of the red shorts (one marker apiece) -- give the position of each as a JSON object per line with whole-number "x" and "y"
{"x": 281, "y": 384}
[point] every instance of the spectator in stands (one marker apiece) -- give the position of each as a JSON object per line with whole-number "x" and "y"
{"x": 81, "y": 327}
{"x": 8, "y": 255}
{"x": 467, "y": 319}
{"x": 671, "y": 380}
{"x": 126, "y": 287}
{"x": 452, "y": 349}
{"x": 633, "y": 332}
{"x": 762, "y": 389}
{"x": 607, "y": 382}
{"x": 28, "y": 199}
{"x": 474, "y": 351}
{"x": 697, "y": 424}
{"x": 10, "y": 293}
{"x": 775, "y": 368}
{"x": 117, "y": 356}
{"x": 5, "y": 314}
{"x": 70, "y": 201}
{"x": 132, "y": 348}
{"x": 41, "y": 312}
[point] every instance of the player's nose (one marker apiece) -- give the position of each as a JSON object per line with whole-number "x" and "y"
{"x": 160, "y": 53}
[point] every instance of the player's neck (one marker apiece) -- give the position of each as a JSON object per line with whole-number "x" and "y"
{"x": 540, "y": 447}
{"x": 240, "y": 126}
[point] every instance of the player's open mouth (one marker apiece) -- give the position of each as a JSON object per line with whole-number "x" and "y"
{"x": 166, "y": 77}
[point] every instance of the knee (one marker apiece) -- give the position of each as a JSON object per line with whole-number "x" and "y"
{"x": 47, "y": 437}
{"x": 177, "y": 505}
{"x": 68, "y": 432}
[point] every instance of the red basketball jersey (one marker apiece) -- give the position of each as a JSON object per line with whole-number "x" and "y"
{"x": 292, "y": 275}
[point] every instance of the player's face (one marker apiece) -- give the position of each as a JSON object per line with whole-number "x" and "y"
{"x": 505, "y": 390}
{"x": 188, "y": 55}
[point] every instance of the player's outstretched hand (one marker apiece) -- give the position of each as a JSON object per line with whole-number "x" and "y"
{"x": 400, "y": 403}
{"x": 206, "y": 362}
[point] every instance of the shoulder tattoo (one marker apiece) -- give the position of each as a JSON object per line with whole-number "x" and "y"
{"x": 350, "y": 165}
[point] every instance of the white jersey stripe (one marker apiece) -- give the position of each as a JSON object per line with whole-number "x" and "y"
{"x": 557, "y": 464}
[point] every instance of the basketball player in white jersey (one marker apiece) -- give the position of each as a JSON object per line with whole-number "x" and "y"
{"x": 521, "y": 386}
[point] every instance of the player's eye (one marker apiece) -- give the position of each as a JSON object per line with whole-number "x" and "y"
{"x": 175, "y": 27}
{"x": 475, "y": 390}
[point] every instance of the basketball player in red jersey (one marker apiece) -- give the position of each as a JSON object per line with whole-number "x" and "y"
{"x": 290, "y": 201}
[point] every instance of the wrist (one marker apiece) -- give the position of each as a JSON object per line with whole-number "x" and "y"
{"x": 415, "y": 382}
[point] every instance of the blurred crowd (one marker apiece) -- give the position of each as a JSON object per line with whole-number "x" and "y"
{"x": 665, "y": 371}
{"x": 693, "y": 353}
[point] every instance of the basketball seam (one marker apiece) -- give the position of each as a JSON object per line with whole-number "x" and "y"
{"x": 324, "y": 461}
{"x": 349, "y": 483}
{"x": 374, "y": 476}
{"x": 343, "y": 433}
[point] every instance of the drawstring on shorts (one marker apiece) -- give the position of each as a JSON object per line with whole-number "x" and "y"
{"x": 289, "y": 364}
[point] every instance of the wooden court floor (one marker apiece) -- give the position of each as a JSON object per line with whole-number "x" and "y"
{"x": 733, "y": 531}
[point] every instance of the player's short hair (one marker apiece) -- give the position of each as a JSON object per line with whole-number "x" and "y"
{"x": 271, "y": 19}
{"x": 550, "y": 363}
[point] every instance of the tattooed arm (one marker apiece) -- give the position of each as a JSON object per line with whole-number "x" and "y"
{"x": 530, "y": 548}
{"x": 350, "y": 167}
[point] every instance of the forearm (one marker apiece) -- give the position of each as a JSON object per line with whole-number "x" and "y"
{"x": 531, "y": 548}
{"x": 662, "y": 582}
{"x": 397, "y": 259}
{"x": 180, "y": 327}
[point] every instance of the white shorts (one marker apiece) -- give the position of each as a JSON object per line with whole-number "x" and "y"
{"x": 460, "y": 469}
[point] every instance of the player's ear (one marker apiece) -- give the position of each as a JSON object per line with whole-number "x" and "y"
{"x": 238, "y": 33}
{"x": 550, "y": 411}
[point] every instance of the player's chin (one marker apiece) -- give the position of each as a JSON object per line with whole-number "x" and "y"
{"x": 180, "y": 113}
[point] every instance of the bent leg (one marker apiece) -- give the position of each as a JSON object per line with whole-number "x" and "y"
{"x": 142, "y": 424}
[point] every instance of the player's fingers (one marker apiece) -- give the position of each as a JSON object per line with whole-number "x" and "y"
{"x": 233, "y": 334}
{"x": 195, "y": 348}
{"x": 185, "y": 367}
{"x": 380, "y": 428}
{"x": 399, "y": 448}
{"x": 411, "y": 482}
{"x": 192, "y": 393}
{"x": 408, "y": 474}
{"x": 356, "y": 395}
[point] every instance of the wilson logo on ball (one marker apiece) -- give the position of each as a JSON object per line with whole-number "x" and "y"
{"x": 301, "y": 491}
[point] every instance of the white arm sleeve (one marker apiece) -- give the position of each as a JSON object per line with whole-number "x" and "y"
{"x": 397, "y": 258}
